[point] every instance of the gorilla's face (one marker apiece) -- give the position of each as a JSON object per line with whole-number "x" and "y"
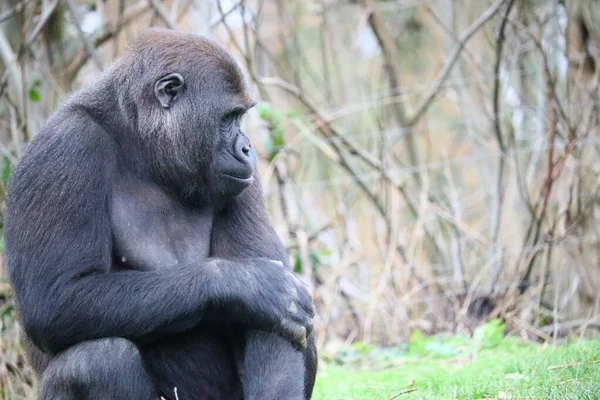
{"x": 235, "y": 161}
{"x": 196, "y": 141}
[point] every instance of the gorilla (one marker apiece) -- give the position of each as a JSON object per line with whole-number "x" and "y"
{"x": 137, "y": 242}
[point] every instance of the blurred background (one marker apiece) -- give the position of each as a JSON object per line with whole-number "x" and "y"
{"x": 429, "y": 164}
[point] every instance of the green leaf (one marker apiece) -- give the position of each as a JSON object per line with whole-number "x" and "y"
{"x": 275, "y": 140}
{"x": 6, "y": 168}
{"x": 418, "y": 341}
{"x": 292, "y": 114}
{"x": 314, "y": 260}
{"x": 34, "y": 92}
{"x": 34, "y": 95}
{"x": 7, "y": 309}
{"x": 490, "y": 334}
{"x": 298, "y": 265}
{"x": 275, "y": 143}
{"x": 362, "y": 347}
{"x": 264, "y": 111}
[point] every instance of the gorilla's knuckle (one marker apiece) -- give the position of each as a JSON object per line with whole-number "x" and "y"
{"x": 120, "y": 346}
{"x": 83, "y": 359}
{"x": 277, "y": 262}
{"x": 303, "y": 344}
{"x": 293, "y": 308}
{"x": 300, "y": 333}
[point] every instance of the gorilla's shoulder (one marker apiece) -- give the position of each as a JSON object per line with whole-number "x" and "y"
{"x": 70, "y": 138}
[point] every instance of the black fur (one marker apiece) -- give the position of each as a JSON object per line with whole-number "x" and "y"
{"x": 138, "y": 244}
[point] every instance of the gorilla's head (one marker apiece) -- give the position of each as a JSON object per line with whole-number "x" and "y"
{"x": 186, "y": 99}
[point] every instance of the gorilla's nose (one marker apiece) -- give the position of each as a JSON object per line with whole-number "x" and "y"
{"x": 242, "y": 148}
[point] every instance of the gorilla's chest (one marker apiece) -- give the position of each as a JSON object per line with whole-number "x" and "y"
{"x": 151, "y": 230}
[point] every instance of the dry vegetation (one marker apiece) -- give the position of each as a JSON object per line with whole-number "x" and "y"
{"x": 430, "y": 164}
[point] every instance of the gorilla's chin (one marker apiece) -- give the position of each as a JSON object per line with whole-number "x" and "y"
{"x": 232, "y": 186}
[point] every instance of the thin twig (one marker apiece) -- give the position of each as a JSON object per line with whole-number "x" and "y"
{"x": 569, "y": 325}
{"x": 323, "y": 125}
{"x": 48, "y": 11}
{"x": 118, "y": 27}
{"x": 405, "y": 391}
{"x": 89, "y": 47}
{"x": 572, "y": 364}
{"x": 441, "y": 79}
{"x": 15, "y": 10}
{"x": 225, "y": 14}
{"x": 163, "y": 14}
{"x": 391, "y": 56}
{"x": 110, "y": 30}
{"x": 495, "y": 262}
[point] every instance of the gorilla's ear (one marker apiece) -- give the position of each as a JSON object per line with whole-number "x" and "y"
{"x": 167, "y": 88}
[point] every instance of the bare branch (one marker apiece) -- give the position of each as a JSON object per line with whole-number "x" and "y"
{"x": 89, "y": 47}
{"x": 163, "y": 14}
{"x": 224, "y": 14}
{"x": 111, "y": 30}
{"x": 9, "y": 59}
{"x": 327, "y": 131}
{"x": 15, "y": 10}
{"x": 441, "y": 79}
{"x": 494, "y": 260}
{"x": 48, "y": 11}
{"x": 392, "y": 62}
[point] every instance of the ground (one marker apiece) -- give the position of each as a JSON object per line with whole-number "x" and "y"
{"x": 457, "y": 368}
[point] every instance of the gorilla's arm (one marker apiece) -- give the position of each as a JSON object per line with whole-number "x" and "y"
{"x": 59, "y": 255}
{"x": 243, "y": 230}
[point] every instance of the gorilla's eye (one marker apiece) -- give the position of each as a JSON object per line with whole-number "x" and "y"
{"x": 230, "y": 124}
{"x": 235, "y": 113}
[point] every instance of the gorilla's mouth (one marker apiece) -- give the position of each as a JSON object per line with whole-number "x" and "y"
{"x": 244, "y": 180}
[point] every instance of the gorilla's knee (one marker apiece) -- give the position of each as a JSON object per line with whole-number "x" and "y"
{"x": 97, "y": 369}
{"x": 87, "y": 360}
{"x": 272, "y": 368}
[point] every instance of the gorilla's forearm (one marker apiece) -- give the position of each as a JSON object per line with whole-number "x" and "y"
{"x": 146, "y": 305}
{"x": 139, "y": 305}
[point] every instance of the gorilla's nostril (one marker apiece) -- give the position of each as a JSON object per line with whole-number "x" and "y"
{"x": 246, "y": 149}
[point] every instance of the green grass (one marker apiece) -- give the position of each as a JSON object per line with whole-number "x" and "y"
{"x": 508, "y": 370}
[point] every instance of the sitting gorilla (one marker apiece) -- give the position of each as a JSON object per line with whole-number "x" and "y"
{"x": 138, "y": 246}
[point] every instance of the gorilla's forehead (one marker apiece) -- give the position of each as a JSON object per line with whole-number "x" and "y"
{"x": 167, "y": 49}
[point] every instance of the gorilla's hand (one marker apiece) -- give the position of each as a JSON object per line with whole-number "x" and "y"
{"x": 272, "y": 298}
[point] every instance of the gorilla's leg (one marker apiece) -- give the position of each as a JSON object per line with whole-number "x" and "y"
{"x": 99, "y": 369}
{"x": 271, "y": 368}
{"x": 199, "y": 363}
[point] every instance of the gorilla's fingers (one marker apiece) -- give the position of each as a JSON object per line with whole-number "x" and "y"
{"x": 309, "y": 327}
{"x": 295, "y": 332}
{"x": 293, "y": 308}
{"x": 306, "y": 302}
{"x": 303, "y": 320}
{"x": 302, "y": 345}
